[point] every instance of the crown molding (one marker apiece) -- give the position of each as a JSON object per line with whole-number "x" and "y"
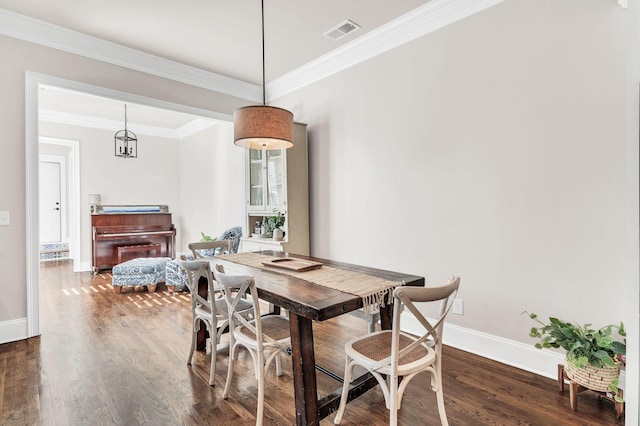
{"x": 39, "y": 32}
{"x": 71, "y": 119}
{"x": 432, "y": 16}
{"x": 421, "y": 21}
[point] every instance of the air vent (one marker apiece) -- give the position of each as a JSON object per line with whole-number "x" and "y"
{"x": 341, "y": 30}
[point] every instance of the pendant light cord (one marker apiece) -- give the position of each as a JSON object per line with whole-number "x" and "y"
{"x": 264, "y": 98}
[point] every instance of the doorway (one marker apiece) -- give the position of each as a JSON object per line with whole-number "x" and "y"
{"x": 54, "y": 241}
{"x": 64, "y": 152}
{"x": 51, "y": 207}
{"x": 34, "y": 82}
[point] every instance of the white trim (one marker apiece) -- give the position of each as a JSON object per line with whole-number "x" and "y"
{"x": 32, "y": 158}
{"x": 13, "y": 330}
{"x": 72, "y": 119}
{"x": 195, "y": 126}
{"x": 35, "y": 31}
{"x": 85, "y": 267}
{"x": 423, "y": 20}
{"x": 64, "y": 84}
{"x": 510, "y": 352}
{"x": 74, "y": 196}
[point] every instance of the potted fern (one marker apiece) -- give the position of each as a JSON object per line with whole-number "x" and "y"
{"x": 593, "y": 357}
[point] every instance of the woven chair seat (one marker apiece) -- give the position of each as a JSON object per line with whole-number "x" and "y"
{"x": 243, "y": 305}
{"x": 378, "y": 346}
{"x": 276, "y": 327}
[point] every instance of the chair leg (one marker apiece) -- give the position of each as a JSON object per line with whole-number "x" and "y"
{"x": 440, "y": 398}
{"x": 214, "y": 346}
{"x": 261, "y": 378}
{"x": 345, "y": 391}
{"x": 278, "y": 366}
{"x": 393, "y": 399}
{"x": 227, "y": 384}
{"x": 193, "y": 342}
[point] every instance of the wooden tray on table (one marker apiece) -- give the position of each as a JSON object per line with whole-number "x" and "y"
{"x": 292, "y": 264}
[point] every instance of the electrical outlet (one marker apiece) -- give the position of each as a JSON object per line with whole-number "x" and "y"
{"x": 458, "y": 307}
{"x": 5, "y": 219}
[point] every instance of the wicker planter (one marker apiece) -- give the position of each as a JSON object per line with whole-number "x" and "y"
{"x": 591, "y": 377}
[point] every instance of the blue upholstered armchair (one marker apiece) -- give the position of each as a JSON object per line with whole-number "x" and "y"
{"x": 176, "y": 278}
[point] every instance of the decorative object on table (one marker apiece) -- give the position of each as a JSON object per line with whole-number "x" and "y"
{"x": 273, "y": 225}
{"x": 593, "y": 357}
{"x": 292, "y": 264}
{"x": 125, "y": 141}
{"x": 262, "y": 126}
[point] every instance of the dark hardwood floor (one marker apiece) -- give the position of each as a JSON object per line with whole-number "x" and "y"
{"x": 120, "y": 359}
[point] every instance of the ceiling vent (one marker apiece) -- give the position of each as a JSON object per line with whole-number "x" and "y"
{"x": 341, "y": 30}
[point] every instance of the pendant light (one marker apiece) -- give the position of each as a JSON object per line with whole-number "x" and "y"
{"x": 262, "y": 126}
{"x": 125, "y": 141}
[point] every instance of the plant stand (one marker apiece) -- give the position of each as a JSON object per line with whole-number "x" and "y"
{"x": 575, "y": 389}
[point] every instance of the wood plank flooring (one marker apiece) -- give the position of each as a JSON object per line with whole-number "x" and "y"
{"x": 108, "y": 359}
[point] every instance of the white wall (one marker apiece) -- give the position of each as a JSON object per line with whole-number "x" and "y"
{"x": 493, "y": 149}
{"x": 152, "y": 178}
{"x": 211, "y": 184}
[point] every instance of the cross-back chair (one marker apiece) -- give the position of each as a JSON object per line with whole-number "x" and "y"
{"x": 208, "y": 249}
{"x": 391, "y": 354}
{"x": 211, "y": 311}
{"x": 264, "y": 337}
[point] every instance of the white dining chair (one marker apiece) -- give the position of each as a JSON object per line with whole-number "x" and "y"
{"x": 391, "y": 354}
{"x": 211, "y": 311}
{"x": 208, "y": 249}
{"x": 264, "y": 337}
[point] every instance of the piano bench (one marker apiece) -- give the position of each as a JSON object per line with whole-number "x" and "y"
{"x": 153, "y": 248}
{"x": 136, "y": 273}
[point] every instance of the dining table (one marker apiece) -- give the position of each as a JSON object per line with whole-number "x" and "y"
{"x": 305, "y": 302}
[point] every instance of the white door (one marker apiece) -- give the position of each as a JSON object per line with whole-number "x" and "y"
{"x": 50, "y": 203}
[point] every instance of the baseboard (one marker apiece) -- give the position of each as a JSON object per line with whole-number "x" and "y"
{"x": 13, "y": 330}
{"x": 516, "y": 354}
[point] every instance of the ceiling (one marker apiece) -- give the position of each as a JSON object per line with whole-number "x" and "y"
{"x": 218, "y": 36}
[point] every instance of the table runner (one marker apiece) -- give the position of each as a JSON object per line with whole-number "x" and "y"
{"x": 375, "y": 292}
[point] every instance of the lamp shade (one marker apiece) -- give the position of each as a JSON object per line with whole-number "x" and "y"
{"x": 94, "y": 199}
{"x": 263, "y": 127}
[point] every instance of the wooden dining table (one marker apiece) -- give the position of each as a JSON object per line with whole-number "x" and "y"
{"x": 307, "y": 302}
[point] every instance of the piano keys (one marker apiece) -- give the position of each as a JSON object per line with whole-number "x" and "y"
{"x": 122, "y": 234}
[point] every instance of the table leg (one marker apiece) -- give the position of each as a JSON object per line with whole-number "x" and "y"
{"x": 385, "y": 316}
{"x": 304, "y": 370}
{"x": 201, "y": 339}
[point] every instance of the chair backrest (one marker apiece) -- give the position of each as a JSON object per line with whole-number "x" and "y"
{"x": 197, "y": 270}
{"x": 235, "y": 287}
{"x": 406, "y": 297}
{"x": 234, "y": 234}
{"x": 206, "y": 249}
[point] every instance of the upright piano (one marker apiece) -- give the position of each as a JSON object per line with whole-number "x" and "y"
{"x": 120, "y": 233}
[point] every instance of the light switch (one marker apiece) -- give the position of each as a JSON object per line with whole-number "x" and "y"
{"x": 5, "y": 219}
